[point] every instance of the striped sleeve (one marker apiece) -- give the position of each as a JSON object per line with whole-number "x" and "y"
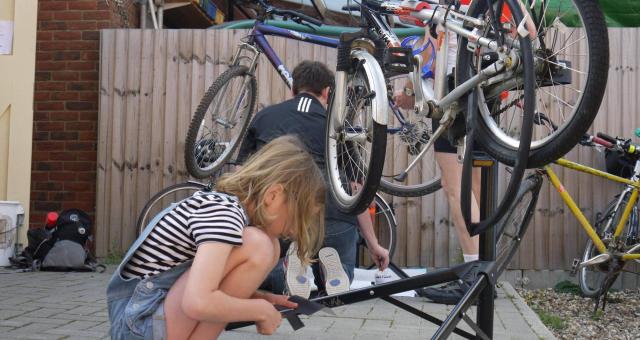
{"x": 217, "y": 221}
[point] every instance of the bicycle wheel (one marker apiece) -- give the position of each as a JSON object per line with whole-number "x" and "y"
{"x": 220, "y": 121}
{"x": 571, "y": 54}
{"x": 356, "y": 143}
{"x": 385, "y": 226}
{"x": 405, "y": 140}
{"x": 590, "y": 278}
{"x": 512, "y": 227}
{"x": 163, "y": 198}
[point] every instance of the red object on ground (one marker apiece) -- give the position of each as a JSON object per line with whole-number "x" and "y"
{"x": 52, "y": 218}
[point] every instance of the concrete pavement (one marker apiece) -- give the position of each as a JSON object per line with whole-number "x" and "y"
{"x": 49, "y": 305}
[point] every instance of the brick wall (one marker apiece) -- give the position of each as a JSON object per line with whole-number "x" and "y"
{"x": 66, "y": 101}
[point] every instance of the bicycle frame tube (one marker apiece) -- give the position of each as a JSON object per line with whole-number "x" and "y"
{"x": 588, "y": 228}
{"x": 261, "y": 30}
{"x": 582, "y": 168}
{"x": 566, "y": 197}
{"x": 626, "y": 213}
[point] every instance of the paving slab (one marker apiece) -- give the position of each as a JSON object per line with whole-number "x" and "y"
{"x": 47, "y": 305}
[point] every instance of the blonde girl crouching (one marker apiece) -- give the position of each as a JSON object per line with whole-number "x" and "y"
{"x": 197, "y": 265}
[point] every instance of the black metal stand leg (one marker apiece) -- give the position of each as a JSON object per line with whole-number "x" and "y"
{"x": 487, "y": 250}
{"x": 481, "y": 290}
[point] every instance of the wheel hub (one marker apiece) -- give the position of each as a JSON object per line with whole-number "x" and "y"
{"x": 415, "y": 135}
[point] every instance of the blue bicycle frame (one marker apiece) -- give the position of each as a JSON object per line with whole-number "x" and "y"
{"x": 258, "y": 37}
{"x": 261, "y": 30}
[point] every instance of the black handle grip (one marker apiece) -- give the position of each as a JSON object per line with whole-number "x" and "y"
{"x": 309, "y": 19}
{"x": 353, "y": 8}
{"x": 607, "y": 138}
{"x": 301, "y": 16}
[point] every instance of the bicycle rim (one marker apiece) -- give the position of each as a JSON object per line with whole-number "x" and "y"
{"x": 385, "y": 227}
{"x": 590, "y": 278}
{"x": 405, "y": 140}
{"x": 220, "y": 122}
{"x": 570, "y": 76}
{"x": 511, "y": 229}
{"x": 163, "y": 199}
{"x": 355, "y": 143}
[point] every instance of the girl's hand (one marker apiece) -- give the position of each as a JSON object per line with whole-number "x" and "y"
{"x": 270, "y": 320}
{"x": 280, "y": 300}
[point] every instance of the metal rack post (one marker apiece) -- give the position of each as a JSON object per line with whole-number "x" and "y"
{"x": 487, "y": 249}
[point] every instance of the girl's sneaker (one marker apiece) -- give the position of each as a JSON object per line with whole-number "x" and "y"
{"x": 296, "y": 274}
{"x": 336, "y": 280}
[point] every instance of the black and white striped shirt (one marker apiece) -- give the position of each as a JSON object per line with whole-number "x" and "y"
{"x": 204, "y": 217}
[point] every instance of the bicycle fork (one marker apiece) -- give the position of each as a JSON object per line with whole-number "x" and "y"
{"x": 229, "y": 122}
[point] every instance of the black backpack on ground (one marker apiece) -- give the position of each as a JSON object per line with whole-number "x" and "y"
{"x": 63, "y": 248}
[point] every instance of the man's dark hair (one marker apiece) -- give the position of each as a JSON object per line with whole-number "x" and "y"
{"x": 311, "y": 76}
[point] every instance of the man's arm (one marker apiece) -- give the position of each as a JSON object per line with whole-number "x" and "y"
{"x": 379, "y": 254}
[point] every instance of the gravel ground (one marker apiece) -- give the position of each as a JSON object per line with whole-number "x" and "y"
{"x": 570, "y": 316}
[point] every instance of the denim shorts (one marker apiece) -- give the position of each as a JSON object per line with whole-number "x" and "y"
{"x": 135, "y": 305}
{"x": 140, "y": 314}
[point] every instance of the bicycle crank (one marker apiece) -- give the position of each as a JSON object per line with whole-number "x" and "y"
{"x": 598, "y": 259}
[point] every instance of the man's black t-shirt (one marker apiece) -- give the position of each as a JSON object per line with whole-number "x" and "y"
{"x": 303, "y": 116}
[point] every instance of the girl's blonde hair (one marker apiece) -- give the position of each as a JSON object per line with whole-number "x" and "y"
{"x": 283, "y": 161}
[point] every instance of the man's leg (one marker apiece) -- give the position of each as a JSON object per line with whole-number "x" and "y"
{"x": 451, "y": 171}
{"x": 246, "y": 267}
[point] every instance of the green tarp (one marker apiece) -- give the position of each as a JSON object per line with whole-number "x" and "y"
{"x": 621, "y": 13}
{"x": 618, "y": 13}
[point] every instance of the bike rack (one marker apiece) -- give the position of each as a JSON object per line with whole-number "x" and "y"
{"x": 482, "y": 289}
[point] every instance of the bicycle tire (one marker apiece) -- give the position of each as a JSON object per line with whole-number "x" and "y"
{"x": 513, "y": 226}
{"x": 386, "y": 225}
{"x": 408, "y": 134}
{"x": 423, "y": 179}
{"x": 202, "y": 156}
{"x": 546, "y": 148}
{"x": 416, "y": 190}
{"x": 343, "y": 136}
{"x": 151, "y": 208}
{"x": 603, "y": 227}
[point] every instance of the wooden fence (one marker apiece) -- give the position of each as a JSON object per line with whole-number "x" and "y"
{"x": 151, "y": 82}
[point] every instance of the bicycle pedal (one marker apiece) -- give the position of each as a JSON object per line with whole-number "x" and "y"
{"x": 574, "y": 267}
{"x": 481, "y": 159}
{"x": 399, "y": 60}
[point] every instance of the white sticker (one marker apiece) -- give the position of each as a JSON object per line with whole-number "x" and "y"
{"x": 6, "y": 36}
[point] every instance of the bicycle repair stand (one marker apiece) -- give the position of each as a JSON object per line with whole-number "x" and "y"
{"x": 481, "y": 290}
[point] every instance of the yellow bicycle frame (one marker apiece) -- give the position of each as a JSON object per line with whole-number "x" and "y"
{"x": 588, "y": 228}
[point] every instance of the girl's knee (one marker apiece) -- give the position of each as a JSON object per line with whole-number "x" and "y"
{"x": 259, "y": 247}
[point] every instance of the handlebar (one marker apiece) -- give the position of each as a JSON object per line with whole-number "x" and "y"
{"x": 353, "y": 8}
{"x": 603, "y": 142}
{"x": 611, "y": 142}
{"x": 607, "y": 138}
{"x": 295, "y": 16}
